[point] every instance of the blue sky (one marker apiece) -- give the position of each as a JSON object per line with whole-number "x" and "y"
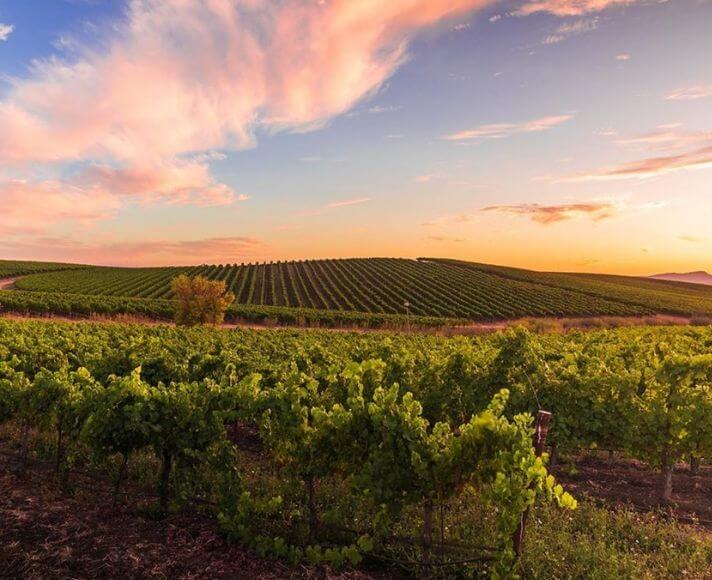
{"x": 574, "y": 137}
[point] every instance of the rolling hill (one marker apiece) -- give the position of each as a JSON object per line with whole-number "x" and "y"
{"x": 432, "y": 287}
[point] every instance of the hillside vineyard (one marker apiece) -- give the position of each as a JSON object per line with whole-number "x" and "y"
{"x": 382, "y": 286}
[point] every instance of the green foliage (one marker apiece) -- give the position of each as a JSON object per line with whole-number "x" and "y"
{"x": 119, "y": 422}
{"x": 369, "y": 432}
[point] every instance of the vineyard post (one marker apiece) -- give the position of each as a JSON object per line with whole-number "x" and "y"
{"x": 543, "y": 420}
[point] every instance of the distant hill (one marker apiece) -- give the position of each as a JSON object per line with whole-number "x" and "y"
{"x": 699, "y": 277}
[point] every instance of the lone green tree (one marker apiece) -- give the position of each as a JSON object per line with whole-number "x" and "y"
{"x": 200, "y": 301}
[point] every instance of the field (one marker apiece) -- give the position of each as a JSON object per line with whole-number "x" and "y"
{"x": 388, "y": 454}
{"x": 370, "y": 292}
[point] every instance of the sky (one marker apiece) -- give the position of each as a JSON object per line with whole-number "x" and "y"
{"x": 570, "y": 135}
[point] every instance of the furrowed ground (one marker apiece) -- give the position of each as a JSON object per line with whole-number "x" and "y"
{"x": 369, "y": 292}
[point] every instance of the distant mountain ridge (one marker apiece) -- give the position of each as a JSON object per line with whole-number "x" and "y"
{"x": 699, "y": 277}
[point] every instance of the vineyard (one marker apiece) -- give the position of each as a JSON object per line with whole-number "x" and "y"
{"x": 653, "y": 295}
{"x": 376, "y": 286}
{"x": 9, "y": 268}
{"x": 353, "y": 449}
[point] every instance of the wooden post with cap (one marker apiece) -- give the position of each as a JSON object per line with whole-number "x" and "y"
{"x": 543, "y": 421}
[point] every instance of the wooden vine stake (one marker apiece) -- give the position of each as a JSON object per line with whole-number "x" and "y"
{"x": 543, "y": 420}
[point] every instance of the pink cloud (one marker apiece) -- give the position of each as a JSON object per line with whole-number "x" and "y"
{"x": 569, "y": 7}
{"x": 568, "y": 29}
{"x": 144, "y": 253}
{"x": 347, "y": 202}
{"x": 501, "y": 130}
{"x": 550, "y": 214}
{"x": 692, "y": 93}
{"x": 652, "y": 166}
{"x": 181, "y": 76}
{"x": 32, "y": 207}
{"x": 668, "y": 137}
{"x": 176, "y": 80}
{"x": 176, "y": 183}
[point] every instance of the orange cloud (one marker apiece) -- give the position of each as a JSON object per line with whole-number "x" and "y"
{"x": 445, "y": 239}
{"x": 550, "y": 214}
{"x": 568, "y": 7}
{"x": 463, "y": 218}
{"x": 501, "y": 130}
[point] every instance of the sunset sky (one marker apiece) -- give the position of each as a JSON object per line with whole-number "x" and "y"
{"x": 549, "y": 134}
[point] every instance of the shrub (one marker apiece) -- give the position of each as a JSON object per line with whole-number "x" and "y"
{"x": 200, "y": 301}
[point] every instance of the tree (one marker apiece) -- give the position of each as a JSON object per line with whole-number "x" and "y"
{"x": 200, "y": 301}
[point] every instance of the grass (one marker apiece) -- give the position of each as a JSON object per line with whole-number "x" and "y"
{"x": 605, "y": 543}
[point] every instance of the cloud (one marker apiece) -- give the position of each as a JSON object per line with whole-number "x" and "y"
{"x": 5, "y": 31}
{"x": 623, "y": 56}
{"x": 97, "y": 192}
{"x": 501, "y": 130}
{"x": 462, "y": 218}
{"x": 147, "y": 253}
{"x": 651, "y": 166}
{"x": 495, "y": 18}
{"x": 32, "y": 207}
{"x": 142, "y": 113}
{"x": 568, "y": 7}
{"x": 691, "y": 239}
{"x": 550, "y": 214}
{"x": 691, "y": 93}
{"x": 180, "y": 77}
{"x": 668, "y": 137}
{"x": 185, "y": 183}
{"x": 378, "y": 109}
{"x": 347, "y": 202}
{"x": 427, "y": 178}
{"x": 676, "y": 148}
{"x": 571, "y": 29}
{"x": 445, "y": 239}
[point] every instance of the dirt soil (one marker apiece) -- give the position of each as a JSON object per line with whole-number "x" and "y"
{"x": 7, "y": 283}
{"x": 47, "y": 535}
{"x": 620, "y": 481}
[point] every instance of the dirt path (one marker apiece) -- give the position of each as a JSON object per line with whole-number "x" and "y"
{"x": 8, "y": 283}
